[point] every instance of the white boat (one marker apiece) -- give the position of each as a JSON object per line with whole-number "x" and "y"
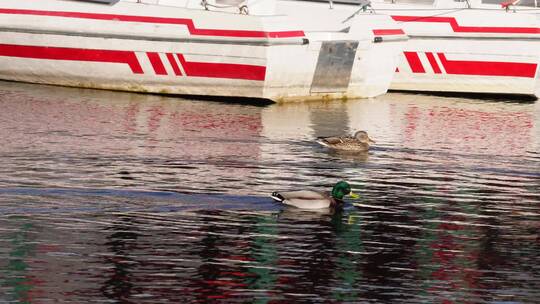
{"x": 463, "y": 46}
{"x": 214, "y": 47}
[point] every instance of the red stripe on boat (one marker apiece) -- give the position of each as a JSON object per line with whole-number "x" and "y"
{"x": 161, "y": 20}
{"x": 433, "y": 62}
{"x": 469, "y": 29}
{"x": 174, "y": 65}
{"x": 414, "y": 62}
{"x": 384, "y": 32}
{"x": 72, "y": 54}
{"x": 488, "y": 68}
{"x": 222, "y": 70}
{"x": 157, "y": 64}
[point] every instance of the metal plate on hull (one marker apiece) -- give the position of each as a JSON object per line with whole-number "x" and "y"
{"x": 334, "y": 66}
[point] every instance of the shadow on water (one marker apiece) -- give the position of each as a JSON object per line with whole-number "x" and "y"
{"x": 505, "y": 98}
{"x": 69, "y": 200}
{"x": 261, "y": 102}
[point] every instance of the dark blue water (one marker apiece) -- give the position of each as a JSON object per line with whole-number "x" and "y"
{"x": 122, "y": 198}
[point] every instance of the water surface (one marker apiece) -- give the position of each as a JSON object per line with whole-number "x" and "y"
{"x": 109, "y": 197}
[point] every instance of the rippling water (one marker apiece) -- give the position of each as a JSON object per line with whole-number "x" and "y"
{"x": 110, "y": 197}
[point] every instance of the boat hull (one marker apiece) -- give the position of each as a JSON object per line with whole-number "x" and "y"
{"x": 175, "y": 50}
{"x": 452, "y": 48}
{"x": 468, "y": 51}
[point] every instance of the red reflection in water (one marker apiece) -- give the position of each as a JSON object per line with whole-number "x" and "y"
{"x": 454, "y": 260}
{"x": 468, "y": 129}
{"x": 132, "y": 127}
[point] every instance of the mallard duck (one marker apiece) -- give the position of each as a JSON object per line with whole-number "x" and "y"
{"x": 309, "y": 199}
{"x": 359, "y": 142}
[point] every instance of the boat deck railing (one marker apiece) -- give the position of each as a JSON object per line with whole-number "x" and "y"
{"x": 520, "y": 3}
{"x": 515, "y": 4}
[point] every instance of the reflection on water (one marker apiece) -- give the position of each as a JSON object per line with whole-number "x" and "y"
{"x": 126, "y": 198}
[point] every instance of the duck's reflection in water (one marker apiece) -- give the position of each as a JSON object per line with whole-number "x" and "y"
{"x": 352, "y": 156}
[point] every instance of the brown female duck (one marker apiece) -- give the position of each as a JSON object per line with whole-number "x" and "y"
{"x": 359, "y": 142}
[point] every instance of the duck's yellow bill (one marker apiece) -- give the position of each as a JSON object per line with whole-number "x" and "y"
{"x": 354, "y": 195}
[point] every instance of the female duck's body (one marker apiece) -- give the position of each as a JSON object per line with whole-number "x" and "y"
{"x": 358, "y": 143}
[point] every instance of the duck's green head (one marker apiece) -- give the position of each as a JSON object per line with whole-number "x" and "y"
{"x": 341, "y": 189}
